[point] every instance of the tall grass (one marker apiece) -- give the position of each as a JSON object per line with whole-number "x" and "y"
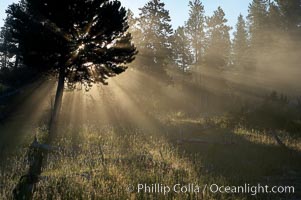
{"x": 101, "y": 163}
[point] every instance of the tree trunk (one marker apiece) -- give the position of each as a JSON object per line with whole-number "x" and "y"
{"x": 196, "y": 53}
{"x": 5, "y": 59}
{"x": 26, "y": 186}
{"x": 57, "y": 102}
{"x": 17, "y": 61}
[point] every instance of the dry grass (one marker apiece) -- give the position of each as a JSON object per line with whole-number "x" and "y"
{"x": 100, "y": 163}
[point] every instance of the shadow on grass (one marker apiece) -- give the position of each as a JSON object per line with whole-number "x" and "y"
{"x": 224, "y": 155}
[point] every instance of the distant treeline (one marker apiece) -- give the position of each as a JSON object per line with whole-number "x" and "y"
{"x": 267, "y": 40}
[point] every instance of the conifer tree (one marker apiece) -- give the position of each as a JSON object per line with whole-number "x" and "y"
{"x": 3, "y": 49}
{"x": 8, "y": 48}
{"x": 80, "y": 40}
{"x": 195, "y": 29}
{"x": 181, "y": 49}
{"x": 290, "y": 12}
{"x": 134, "y": 29}
{"x": 156, "y": 37}
{"x": 274, "y": 19}
{"x": 258, "y": 25}
{"x": 240, "y": 44}
{"x": 218, "y": 42}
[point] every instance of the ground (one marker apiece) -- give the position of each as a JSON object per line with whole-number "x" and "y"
{"x": 111, "y": 139}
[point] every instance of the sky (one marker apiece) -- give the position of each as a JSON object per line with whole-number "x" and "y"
{"x": 178, "y": 9}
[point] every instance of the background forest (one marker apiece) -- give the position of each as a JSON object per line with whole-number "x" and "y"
{"x": 205, "y": 103}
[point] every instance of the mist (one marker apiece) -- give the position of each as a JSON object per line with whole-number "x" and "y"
{"x": 96, "y": 107}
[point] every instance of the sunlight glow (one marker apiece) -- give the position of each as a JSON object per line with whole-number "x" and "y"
{"x": 81, "y": 47}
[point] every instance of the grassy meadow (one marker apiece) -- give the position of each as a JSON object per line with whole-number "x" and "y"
{"x": 112, "y": 138}
{"x": 103, "y": 162}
